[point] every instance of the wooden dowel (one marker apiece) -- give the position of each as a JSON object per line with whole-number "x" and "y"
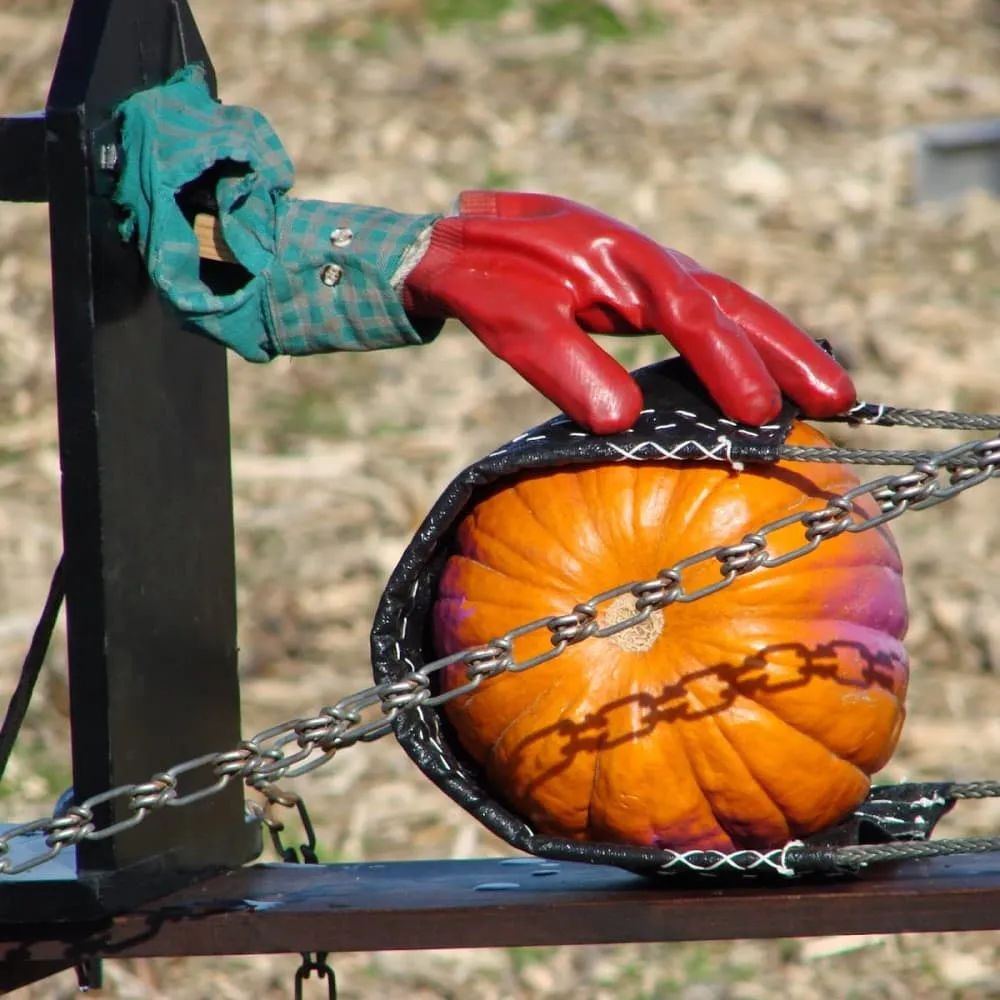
{"x": 211, "y": 243}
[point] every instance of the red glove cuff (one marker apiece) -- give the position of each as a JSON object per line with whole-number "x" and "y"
{"x": 479, "y": 203}
{"x": 448, "y": 240}
{"x": 445, "y": 245}
{"x": 515, "y": 204}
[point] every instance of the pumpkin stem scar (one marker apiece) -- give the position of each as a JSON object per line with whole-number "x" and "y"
{"x": 638, "y": 638}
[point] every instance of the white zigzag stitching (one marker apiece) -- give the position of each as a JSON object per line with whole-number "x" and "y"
{"x": 721, "y": 451}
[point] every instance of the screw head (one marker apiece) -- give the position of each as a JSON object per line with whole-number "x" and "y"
{"x": 341, "y": 236}
{"x": 107, "y": 156}
{"x": 331, "y": 274}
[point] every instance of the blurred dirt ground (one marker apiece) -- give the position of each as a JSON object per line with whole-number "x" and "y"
{"x": 772, "y": 140}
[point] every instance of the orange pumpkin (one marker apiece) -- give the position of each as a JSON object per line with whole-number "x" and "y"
{"x": 741, "y": 720}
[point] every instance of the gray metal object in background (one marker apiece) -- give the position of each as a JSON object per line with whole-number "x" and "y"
{"x": 954, "y": 158}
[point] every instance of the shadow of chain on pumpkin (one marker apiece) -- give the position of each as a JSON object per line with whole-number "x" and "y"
{"x": 720, "y": 686}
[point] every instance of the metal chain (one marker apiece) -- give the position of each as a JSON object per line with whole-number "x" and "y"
{"x": 295, "y": 747}
{"x": 305, "y": 854}
{"x": 315, "y": 963}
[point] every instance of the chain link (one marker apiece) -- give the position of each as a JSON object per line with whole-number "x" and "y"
{"x": 298, "y": 746}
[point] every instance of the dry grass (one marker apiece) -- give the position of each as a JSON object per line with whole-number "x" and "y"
{"x": 771, "y": 140}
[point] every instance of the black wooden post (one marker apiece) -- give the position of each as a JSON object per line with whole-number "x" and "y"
{"x": 146, "y": 486}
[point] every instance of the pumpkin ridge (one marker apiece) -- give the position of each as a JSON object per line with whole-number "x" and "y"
{"x": 499, "y": 603}
{"x": 749, "y": 776}
{"x": 774, "y": 715}
{"x": 615, "y": 774}
{"x": 738, "y": 643}
{"x": 693, "y": 732}
{"x": 546, "y": 692}
{"x": 716, "y": 815}
{"x": 489, "y": 759}
{"x": 819, "y": 620}
{"x": 610, "y": 546}
{"x": 745, "y": 595}
{"x": 750, "y": 773}
{"x": 794, "y": 827}
{"x": 497, "y": 579}
{"x": 581, "y": 707}
{"x": 766, "y": 575}
{"x": 870, "y": 626}
{"x": 628, "y": 537}
{"x": 739, "y": 646}
{"x": 888, "y": 701}
{"x": 555, "y": 577}
{"x": 593, "y": 790}
{"x": 516, "y": 492}
{"x": 624, "y": 542}
{"x": 633, "y": 506}
{"x": 784, "y": 614}
{"x": 509, "y": 545}
{"x": 681, "y": 514}
{"x": 807, "y": 564}
{"x": 815, "y": 482}
{"x": 747, "y": 613}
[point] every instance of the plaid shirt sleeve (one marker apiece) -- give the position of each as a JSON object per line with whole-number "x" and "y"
{"x": 324, "y": 297}
{"x": 320, "y": 275}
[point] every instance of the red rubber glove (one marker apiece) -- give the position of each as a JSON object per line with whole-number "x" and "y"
{"x": 531, "y": 274}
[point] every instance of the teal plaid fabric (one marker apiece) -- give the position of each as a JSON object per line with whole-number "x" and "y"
{"x": 171, "y": 136}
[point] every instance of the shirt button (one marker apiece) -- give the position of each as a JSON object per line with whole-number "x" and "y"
{"x": 331, "y": 274}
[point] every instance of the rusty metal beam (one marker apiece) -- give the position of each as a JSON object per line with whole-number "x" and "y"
{"x": 513, "y": 903}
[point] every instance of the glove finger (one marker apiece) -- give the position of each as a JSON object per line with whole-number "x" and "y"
{"x": 716, "y": 347}
{"x": 547, "y": 349}
{"x": 568, "y": 368}
{"x": 803, "y": 370}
